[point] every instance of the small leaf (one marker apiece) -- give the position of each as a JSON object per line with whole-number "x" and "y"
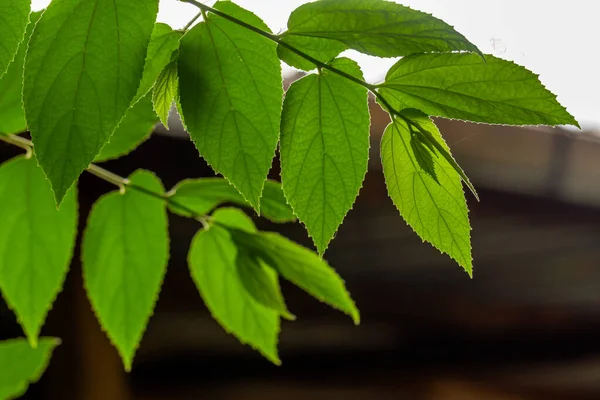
{"x": 436, "y": 210}
{"x": 15, "y": 17}
{"x": 212, "y": 261}
{"x": 375, "y": 27}
{"x": 259, "y": 280}
{"x": 231, "y": 94}
{"x": 300, "y": 266}
{"x": 12, "y": 115}
{"x": 323, "y": 50}
{"x": 165, "y": 92}
{"x": 205, "y": 194}
{"x": 36, "y": 242}
{"x": 136, "y": 127}
{"x": 125, "y": 252}
{"x": 324, "y": 148}
{"x": 163, "y": 45}
{"x": 22, "y": 365}
{"x": 83, "y": 67}
{"x": 463, "y": 86}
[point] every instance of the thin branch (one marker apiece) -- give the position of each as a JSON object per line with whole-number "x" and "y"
{"x": 112, "y": 178}
{"x": 189, "y": 24}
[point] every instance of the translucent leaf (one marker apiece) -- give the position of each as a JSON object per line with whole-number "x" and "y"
{"x": 375, "y": 27}
{"x": 463, "y": 86}
{"x": 212, "y": 261}
{"x": 36, "y": 242}
{"x": 231, "y": 94}
{"x": 259, "y": 280}
{"x": 22, "y": 365}
{"x": 12, "y": 115}
{"x": 136, "y": 127}
{"x": 324, "y": 148}
{"x": 300, "y": 266}
{"x": 205, "y": 194}
{"x": 161, "y": 51}
{"x": 83, "y": 68}
{"x": 165, "y": 92}
{"x": 125, "y": 252}
{"x": 15, "y": 16}
{"x": 435, "y": 209}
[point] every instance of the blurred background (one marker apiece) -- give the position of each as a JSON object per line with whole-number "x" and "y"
{"x": 527, "y": 327}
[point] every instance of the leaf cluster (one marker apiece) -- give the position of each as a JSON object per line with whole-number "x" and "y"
{"x": 89, "y": 80}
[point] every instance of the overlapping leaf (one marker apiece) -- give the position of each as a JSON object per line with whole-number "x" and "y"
{"x": 300, "y": 266}
{"x": 22, "y": 365}
{"x": 434, "y": 206}
{"x": 231, "y": 94}
{"x": 463, "y": 86}
{"x": 36, "y": 242}
{"x": 324, "y": 148}
{"x": 125, "y": 254}
{"x": 213, "y": 265}
{"x": 15, "y": 16}
{"x": 12, "y": 115}
{"x": 82, "y": 71}
{"x": 136, "y": 127}
{"x": 161, "y": 51}
{"x": 323, "y": 29}
{"x": 205, "y": 194}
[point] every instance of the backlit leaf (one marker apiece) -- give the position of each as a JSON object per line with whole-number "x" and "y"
{"x": 300, "y": 266}
{"x": 463, "y": 86}
{"x": 22, "y": 365}
{"x": 259, "y": 280}
{"x": 161, "y": 50}
{"x": 165, "y": 92}
{"x": 82, "y": 70}
{"x": 205, "y": 194}
{"x": 231, "y": 93}
{"x": 136, "y": 127}
{"x": 15, "y": 16}
{"x": 12, "y": 115}
{"x": 324, "y": 148}
{"x": 212, "y": 261}
{"x": 375, "y": 27}
{"x": 435, "y": 209}
{"x": 36, "y": 242}
{"x": 125, "y": 252}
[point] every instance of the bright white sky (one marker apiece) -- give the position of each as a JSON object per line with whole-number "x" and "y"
{"x": 553, "y": 38}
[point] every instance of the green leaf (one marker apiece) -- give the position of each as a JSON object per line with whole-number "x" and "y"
{"x": 324, "y": 148}
{"x": 165, "y": 92}
{"x": 435, "y": 209}
{"x": 212, "y": 261}
{"x": 300, "y": 266}
{"x": 231, "y": 93}
{"x": 36, "y": 242}
{"x": 83, "y": 68}
{"x": 323, "y": 50}
{"x": 161, "y": 50}
{"x": 22, "y": 365}
{"x": 259, "y": 280}
{"x": 375, "y": 27}
{"x": 463, "y": 86}
{"x": 205, "y": 194}
{"x": 136, "y": 127}
{"x": 125, "y": 252}
{"x": 15, "y": 17}
{"x": 12, "y": 115}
